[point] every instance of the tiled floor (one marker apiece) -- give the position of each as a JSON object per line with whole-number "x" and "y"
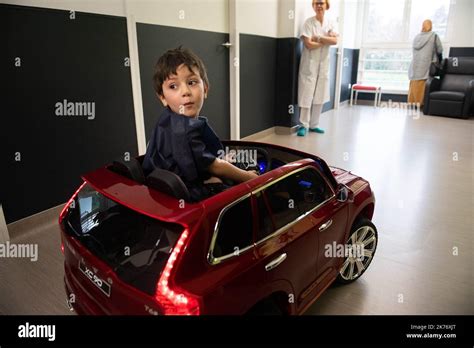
{"x": 421, "y": 169}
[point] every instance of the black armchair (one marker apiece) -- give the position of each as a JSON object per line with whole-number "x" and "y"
{"x": 453, "y": 93}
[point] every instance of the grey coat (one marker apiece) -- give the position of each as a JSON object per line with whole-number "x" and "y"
{"x": 426, "y": 47}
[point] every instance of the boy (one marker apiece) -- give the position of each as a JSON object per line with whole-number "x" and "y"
{"x": 182, "y": 141}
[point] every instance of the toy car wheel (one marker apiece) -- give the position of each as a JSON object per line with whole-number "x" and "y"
{"x": 362, "y": 244}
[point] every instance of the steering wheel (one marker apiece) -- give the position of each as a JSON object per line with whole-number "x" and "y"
{"x": 254, "y": 164}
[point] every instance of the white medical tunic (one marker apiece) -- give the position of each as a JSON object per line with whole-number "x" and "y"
{"x": 313, "y": 77}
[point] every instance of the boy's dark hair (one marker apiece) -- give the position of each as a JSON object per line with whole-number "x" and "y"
{"x": 171, "y": 60}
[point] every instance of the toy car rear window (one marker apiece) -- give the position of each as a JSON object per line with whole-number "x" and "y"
{"x": 134, "y": 245}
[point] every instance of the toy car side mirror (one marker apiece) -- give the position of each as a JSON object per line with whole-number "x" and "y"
{"x": 344, "y": 193}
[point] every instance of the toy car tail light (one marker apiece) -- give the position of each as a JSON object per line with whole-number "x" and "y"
{"x": 66, "y": 207}
{"x": 175, "y": 301}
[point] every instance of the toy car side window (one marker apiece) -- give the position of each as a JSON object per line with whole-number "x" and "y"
{"x": 311, "y": 190}
{"x": 235, "y": 229}
{"x": 265, "y": 224}
{"x": 281, "y": 197}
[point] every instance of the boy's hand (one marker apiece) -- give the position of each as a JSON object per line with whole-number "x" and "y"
{"x": 254, "y": 171}
{"x": 224, "y": 169}
{"x": 253, "y": 174}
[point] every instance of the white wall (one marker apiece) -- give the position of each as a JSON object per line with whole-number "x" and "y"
{"x": 109, "y": 7}
{"x": 211, "y": 15}
{"x": 258, "y": 17}
{"x": 286, "y": 18}
{"x": 472, "y": 30}
{"x": 303, "y": 11}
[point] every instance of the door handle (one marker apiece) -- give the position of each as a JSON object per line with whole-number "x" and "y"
{"x": 275, "y": 263}
{"x": 325, "y": 226}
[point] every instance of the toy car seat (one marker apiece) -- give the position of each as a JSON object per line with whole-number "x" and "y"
{"x": 169, "y": 183}
{"x": 131, "y": 169}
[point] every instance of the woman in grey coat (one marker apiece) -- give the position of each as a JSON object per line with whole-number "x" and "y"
{"x": 426, "y": 48}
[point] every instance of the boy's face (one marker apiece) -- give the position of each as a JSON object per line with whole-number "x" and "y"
{"x": 184, "y": 92}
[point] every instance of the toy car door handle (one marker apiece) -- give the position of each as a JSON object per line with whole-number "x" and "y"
{"x": 325, "y": 226}
{"x": 275, "y": 263}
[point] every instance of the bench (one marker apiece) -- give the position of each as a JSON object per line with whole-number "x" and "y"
{"x": 377, "y": 90}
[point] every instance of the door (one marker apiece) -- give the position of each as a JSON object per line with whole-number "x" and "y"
{"x": 297, "y": 217}
{"x": 286, "y": 243}
{"x": 330, "y": 222}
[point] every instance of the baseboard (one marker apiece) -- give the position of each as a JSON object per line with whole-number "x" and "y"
{"x": 286, "y": 130}
{"x": 363, "y": 102}
{"x": 35, "y": 222}
{"x": 261, "y": 134}
{"x": 344, "y": 103}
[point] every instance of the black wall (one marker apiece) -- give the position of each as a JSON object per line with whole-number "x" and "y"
{"x": 80, "y": 60}
{"x": 154, "y": 40}
{"x": 286, "y": 91}
{"x": 350, "y": 66}
{"x": 257, "y": 83}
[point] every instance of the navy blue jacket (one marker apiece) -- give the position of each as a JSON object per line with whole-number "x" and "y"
{"x": 183, "y": 145}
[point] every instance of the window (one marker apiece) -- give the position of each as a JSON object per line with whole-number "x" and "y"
{"x": 385, "y": 21}
{"x": 108, "y": 229}
{"x": 389, "y": 29}
{"x": 265, "y": 225}
{"x": 290, "y": 198}
{"x": 387, "y": 68}
{"x": 281, "y": 197}
{"x": 235, "y": 231}
{"x": 436, "y": 10}
{"x": 312, "y": 190}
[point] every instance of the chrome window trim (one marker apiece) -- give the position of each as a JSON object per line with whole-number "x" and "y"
{"x": 216, "y": 260}
{"x": 310, "y": 167}
{"x": 290, "y": 224}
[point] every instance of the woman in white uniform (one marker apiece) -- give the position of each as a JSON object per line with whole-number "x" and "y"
{"x": 313, "y": 80}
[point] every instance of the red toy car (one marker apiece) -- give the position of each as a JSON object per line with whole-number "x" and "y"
{"x": 136, "y": 245}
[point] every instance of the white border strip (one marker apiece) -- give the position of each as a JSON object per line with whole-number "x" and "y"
{"x": 234, "y": 73}
{"x": 4, "y": 236}
{"x": 136, "y": 83}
